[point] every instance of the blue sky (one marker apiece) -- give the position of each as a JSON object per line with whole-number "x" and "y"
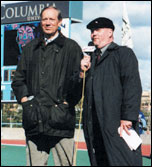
{"x": 139, "y": 13}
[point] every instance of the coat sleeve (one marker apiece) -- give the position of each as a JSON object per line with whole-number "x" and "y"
{"x": 19, "y": 81}
{"x": 75, "y": 82}
{"x": 131, "y": 85}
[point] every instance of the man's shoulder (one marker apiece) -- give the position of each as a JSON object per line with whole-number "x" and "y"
{"x": 71, "y": 42}
{"x": 115, "y": 46}
{"x": 122, "y": 50}
{"x": 125, "y": 48}
{"x": 122, "y": 53}
{"x": 126, "y": 53}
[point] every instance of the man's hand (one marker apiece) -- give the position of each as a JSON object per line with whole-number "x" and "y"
{"x": 24, "y": 99}
{"x": 85, "y": 64}
{"x": 125, "y": 125}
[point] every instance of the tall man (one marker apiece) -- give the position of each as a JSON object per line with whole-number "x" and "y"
{"x": 112, "y": 98}
{"x": 47, "y": 84}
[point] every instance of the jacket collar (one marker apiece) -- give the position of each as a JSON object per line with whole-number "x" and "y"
{"x": 112, "y": 46}
{"x": 58, "y": 41}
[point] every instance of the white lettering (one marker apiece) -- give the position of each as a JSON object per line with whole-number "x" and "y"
{"x": 47, "y": 5}
{"x": 32, "y": 11}
{"x": 28, "y": 18}
{"x": 54, "y": 5}
{"x": 16, "y": 9}
{"x": 11, "y": 13}
{"x": 25, "y": 13}
{"x": 33, "y": 18}
{"x": 41, "y": 7}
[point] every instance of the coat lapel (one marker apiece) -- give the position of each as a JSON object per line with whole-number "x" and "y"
{"x": 112, "y": 46}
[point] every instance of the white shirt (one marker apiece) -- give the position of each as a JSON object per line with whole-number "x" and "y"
{"x": 50, "y": 40}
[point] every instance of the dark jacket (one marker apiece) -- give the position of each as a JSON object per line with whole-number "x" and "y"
{"x": 51, "y": 74}
{"x": 113, "y": 86}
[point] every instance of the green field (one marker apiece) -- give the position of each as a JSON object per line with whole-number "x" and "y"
{"x": 16, "y": 156}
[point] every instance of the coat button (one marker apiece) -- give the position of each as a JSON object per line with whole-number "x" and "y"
{"x": 42, "y": 72}
{"x": 31, "y": 105}
{"x": 56, "y": 105}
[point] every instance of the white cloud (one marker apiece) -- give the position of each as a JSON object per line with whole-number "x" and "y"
{"x": 139, "y": 13}
{"x": 142, "y": 42}
{"x": 81, "y": 36}
{"x": 145, "y": 73}
{"x": 110, "y": 9}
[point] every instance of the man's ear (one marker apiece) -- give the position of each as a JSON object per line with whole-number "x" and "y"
{"x": 60, "y": 22}
{"x": 110, "y": 32}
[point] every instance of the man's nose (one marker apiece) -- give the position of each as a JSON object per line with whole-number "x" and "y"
{"x": 48, "y": 23}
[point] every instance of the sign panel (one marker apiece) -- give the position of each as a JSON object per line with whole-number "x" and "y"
{"x": 30, "y": 11}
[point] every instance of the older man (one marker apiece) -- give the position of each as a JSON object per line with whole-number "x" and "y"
{"x": 112, "y": 98}
{"x": 48, "y": 86}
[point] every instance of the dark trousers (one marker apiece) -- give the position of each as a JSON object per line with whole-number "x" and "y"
{"x": 98, "y": 144}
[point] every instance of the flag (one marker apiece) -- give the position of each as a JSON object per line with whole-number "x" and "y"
{"x": 126, "y": 30}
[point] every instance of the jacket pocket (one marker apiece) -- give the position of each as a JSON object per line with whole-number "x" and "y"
{"x": 30, "y": 120}
{"x": 62, "y": 117}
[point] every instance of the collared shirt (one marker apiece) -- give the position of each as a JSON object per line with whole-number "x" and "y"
{"x": 50, "y": 40}
{"x": 104, "y": 49}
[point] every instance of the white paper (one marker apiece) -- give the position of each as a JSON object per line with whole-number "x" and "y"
{"x": 133, "y": 140}
{"x": 30, "y": 98}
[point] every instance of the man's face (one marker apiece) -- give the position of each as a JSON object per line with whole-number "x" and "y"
{"x": 101, "y": 36}
{"x": 50, "y": 22}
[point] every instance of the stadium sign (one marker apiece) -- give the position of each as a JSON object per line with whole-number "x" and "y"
{"x": 30, "y": 11}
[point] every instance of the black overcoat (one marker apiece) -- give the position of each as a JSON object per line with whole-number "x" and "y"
{"x": 115, "y": 88}
{"x": 51, "y": 74}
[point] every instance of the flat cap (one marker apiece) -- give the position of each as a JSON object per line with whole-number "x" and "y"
{"x": 101, "y": 22}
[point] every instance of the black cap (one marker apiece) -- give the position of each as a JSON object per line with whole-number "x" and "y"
{"x": 101, "y": 22}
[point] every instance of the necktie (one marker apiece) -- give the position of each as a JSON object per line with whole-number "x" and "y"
{"x": 98, "y": 55}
